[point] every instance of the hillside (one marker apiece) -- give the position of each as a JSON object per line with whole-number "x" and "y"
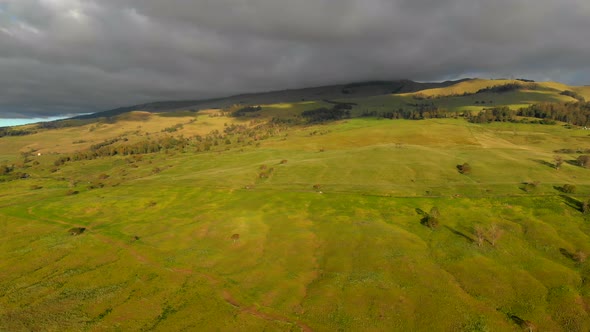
{"x": 359, "y": 89}
{"x": 451, "y": 208}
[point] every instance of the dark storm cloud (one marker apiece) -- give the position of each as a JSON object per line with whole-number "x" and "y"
{"x": 68, "y": 56}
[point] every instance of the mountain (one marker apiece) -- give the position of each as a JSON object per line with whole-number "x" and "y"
{"x": 358, "y": 90}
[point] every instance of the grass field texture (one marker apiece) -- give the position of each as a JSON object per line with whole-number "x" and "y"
{"x": 330, "y": 240}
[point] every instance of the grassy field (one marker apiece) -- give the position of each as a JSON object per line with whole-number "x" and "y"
{"x": 330, "y": 239}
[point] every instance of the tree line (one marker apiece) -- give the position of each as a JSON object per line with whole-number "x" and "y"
{"x": 232, "y": 135}
{"x": 9, "y": 131}
{"x": 337, "y": 112}
{"x": 576, "y": 113}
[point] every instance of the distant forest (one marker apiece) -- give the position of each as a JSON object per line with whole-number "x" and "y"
{"x": 577, "y": 113}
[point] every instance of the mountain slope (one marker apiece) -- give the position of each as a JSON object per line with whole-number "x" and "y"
{"x": 359, "y": 90}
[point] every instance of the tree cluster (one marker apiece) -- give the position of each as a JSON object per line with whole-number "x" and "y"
{"x": 107, "y": 149}
{"x": 507, "y": 88}
{"x": 246, "y": 111}
{"x": 420, "y": 112}
{"x": 574, "y": 95}
{"x": 491, "y": 234}
{"x": 232, "y": 135}
{"x": 577, "y": 113}
{"x": 9, "y": 131}
{"x": 9, "y": 173}
{"x": 326, "y": 114}
{"x": 496, "y": 114}
{"x": 432, "y": 219}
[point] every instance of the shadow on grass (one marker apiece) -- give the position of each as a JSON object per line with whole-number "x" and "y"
{"x": 567, "y": 254}
{"x": 461, "y": 234}
{"x": 424, "y": 221}
{"x": 572, "y": 202}
{"x": 525, "y": 324}
{"x": 544, "y": 163}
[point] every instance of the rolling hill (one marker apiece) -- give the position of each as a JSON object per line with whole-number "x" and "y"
{"x": 359, "y": 89}
{"x": 361, "y": 207}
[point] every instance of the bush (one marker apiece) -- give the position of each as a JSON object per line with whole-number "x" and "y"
{"x": 431, "y": 220}
{"x": 569, "y": 188}
{"x": 584, "y": 161}
{"x": 530, "y": 186}
{"x": 494, "y": 233}
{"x": 246, "y": 110}
{"x": 579, "y": 256}
{"x": 479, "y": 233}
{"x": 464, "y": 169}
{"x": 235, "y": 237}
{"x": 574, "y": 95}
{"x": 325, "y": 114}
{"x": 77, "y": 230}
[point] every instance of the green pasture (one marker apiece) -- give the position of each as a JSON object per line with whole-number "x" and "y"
{"x": 315, "y": 228}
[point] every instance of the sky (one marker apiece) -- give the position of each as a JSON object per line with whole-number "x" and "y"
{"x": 78, "y": 56}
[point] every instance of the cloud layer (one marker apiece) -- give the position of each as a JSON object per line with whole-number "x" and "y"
{"x": 68, "y": 56}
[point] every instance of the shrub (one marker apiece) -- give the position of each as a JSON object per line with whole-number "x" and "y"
{"x": 494, "y": 233}
{"x": 569, "y": 188}
{"x": 432, "y": 218}
{"x": 584, "y": 161}
{"x": 530, "y": 186}
{"x": 479, "y": 235}
{"x": 235, "y": 237}
{"x": 464, "y": 169}
{"x": 77, "y": 230}
{"x": 580, "y": 256}
{"x": 432, "y": 222}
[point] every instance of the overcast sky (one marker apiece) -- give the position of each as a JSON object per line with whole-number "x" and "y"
{"x": 75, "y": 56}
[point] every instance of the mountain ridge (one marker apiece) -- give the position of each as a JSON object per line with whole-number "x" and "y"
{"x": 355, "y": 89}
